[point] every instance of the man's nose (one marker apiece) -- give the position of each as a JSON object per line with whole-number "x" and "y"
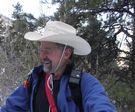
{"x": 43, "y": 55}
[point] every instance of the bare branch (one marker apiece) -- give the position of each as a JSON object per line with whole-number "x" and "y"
{"x": 126, "y": 32}
{"x": 126, "y": 52}
{"x": 119, "y": 10}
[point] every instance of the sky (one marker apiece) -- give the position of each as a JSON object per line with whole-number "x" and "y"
{"x": 29, "y": 6}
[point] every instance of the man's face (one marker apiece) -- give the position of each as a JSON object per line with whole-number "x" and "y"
{"x": 50, "y": 54}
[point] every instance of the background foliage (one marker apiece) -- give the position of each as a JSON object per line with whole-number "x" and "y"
{"x": 105, "y": 24}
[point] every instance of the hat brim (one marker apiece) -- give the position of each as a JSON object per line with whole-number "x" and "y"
{"x": 81, "y": 47}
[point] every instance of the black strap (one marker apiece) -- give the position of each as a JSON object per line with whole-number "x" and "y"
{"x": 74, "y": 84}
{"x": 30, "y": 81}
{"x": 30, "y": 78}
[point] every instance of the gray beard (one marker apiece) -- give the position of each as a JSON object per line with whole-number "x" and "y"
{"x": 47, "y": 67}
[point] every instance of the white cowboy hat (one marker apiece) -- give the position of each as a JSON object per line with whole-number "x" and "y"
{"x": 62, "y": 33}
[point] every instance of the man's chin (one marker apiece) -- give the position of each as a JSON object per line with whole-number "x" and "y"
{"x": 47, "y": 70}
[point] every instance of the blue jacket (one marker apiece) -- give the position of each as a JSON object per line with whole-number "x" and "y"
{"x": 94, "y": 97}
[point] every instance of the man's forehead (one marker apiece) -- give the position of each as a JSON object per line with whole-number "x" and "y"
{"x": 47, "y": 43}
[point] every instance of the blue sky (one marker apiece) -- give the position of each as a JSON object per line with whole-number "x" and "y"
{"x": 29, "y": 6}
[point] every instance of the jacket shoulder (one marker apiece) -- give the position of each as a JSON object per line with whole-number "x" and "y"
{"x": 94, "y": 94}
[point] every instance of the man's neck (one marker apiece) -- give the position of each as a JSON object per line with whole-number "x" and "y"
{"x": 58, "y": 74}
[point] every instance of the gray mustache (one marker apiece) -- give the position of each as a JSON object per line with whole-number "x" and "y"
{"x": 47, "y": 61}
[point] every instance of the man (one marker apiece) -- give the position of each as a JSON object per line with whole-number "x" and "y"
{"x": 50, "y": 82}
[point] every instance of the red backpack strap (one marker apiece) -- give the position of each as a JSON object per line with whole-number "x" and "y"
{"x": 49, "y": 94}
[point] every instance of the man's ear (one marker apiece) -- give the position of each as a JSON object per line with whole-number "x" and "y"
{"x": 68, "y": 53}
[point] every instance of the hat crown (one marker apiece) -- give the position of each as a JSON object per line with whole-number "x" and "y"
{"x": 58, "y": 27}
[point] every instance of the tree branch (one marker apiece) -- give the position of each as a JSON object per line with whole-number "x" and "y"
{"x": 119, "y": 10}
{"x": 126, "y": 32}
{"x": 122, "y": 51}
